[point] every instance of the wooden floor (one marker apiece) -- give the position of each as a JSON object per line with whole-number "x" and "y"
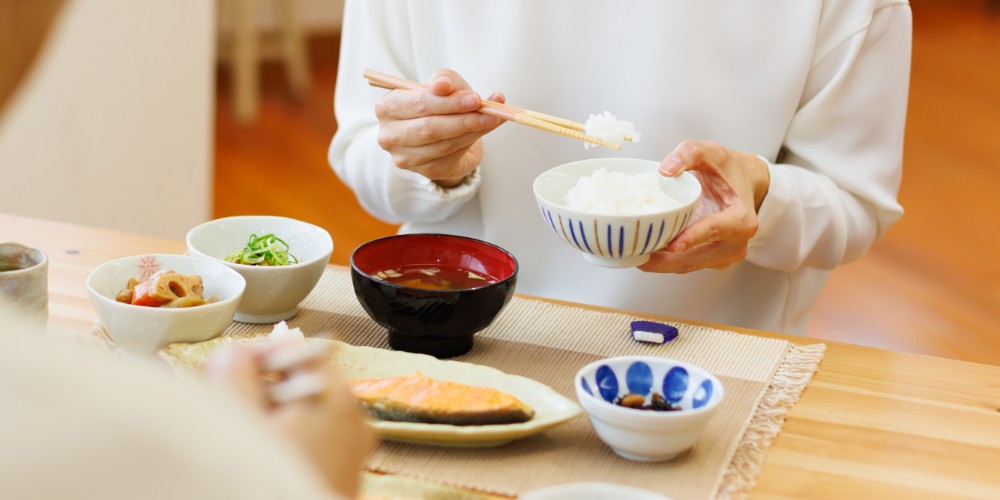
{"x": 931, "y": 286}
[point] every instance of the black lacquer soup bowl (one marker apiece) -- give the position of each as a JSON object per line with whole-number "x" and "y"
{"x": 433, "y": 292}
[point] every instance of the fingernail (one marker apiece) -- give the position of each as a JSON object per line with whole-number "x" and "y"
{"x": 678, "y": 247}
{"x": 670, "y": 165}
{"x": 470, "y": 101}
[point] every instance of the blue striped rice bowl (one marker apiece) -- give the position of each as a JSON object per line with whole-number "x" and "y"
{"x": 611, "y": 240}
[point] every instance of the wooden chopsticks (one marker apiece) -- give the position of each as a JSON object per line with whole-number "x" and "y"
{"x": 527, "y": 117}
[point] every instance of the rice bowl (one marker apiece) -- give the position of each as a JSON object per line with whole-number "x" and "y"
{"x": 615, "y": 240}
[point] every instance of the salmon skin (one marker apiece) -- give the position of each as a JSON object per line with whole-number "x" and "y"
{"x": 419, "y": 398}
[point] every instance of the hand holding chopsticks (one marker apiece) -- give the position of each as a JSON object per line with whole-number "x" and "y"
{"x": 299, "y": 382}
{"x": 530, "y": 118}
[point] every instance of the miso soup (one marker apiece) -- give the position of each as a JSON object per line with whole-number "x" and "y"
{"x": 435, "y": 277}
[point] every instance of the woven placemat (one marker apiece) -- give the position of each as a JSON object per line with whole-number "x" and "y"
{"x": 549, "y": 343}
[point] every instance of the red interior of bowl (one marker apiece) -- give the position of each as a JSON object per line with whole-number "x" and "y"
{"x": 434, "y": 249}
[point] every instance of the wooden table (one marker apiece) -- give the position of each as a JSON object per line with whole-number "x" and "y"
{"x": 873, "y": 423}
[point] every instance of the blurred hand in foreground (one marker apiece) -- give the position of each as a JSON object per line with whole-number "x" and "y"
{"x": 435, "y": 132}
{"x": 324, "y": 420}
{"x": 733, "y": 186}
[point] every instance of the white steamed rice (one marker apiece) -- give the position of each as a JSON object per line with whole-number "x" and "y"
{"x": 618, "y": 193}
{"x": 282, "y": 331}
{"x": 609, "y": 128}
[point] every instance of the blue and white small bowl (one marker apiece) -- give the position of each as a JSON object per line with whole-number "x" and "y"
{"x": 648, "y": 435}
{"x": 615, "y": 241}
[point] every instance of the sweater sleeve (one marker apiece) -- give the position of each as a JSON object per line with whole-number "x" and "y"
{"x": 833, "y": 191}
{"x": 373, "y": 37}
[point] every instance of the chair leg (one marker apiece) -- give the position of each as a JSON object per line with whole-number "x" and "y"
{"x": 246, "y": 59}
{"x": 293, "y": 47}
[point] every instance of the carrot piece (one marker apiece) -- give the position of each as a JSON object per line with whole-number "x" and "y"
{"x": 140, "y": 296}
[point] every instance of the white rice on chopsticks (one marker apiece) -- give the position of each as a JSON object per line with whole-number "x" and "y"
{"x": 609, "y": 128}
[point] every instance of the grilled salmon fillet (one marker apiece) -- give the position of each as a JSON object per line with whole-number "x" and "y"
{"x": 419, "y": 398}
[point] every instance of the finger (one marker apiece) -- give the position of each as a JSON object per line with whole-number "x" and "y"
{"x": 408, "y": 104}
{"x": 711, "y": 228}
{"x": 718, "y": 255}
{"x": 236, "y": 368}
{"x": 673, "y": 164}
{"x": 671, "y": 262}
{"x": 294, "y": 356}
{"x": 297, "y": 386}
{"x": 432, "y": 129}
{"x": 445, "y": 81}
{"x": 430, "y": 159}
{"x": 228, "y": 359}
{"x": 502, "y": 99}
{"x": 456, "y": 165}
{"x": 692, "y": 155}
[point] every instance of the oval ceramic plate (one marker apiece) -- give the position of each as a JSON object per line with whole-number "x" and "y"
{"x": 591, "y": 491}
{"x": 551, "y": 408}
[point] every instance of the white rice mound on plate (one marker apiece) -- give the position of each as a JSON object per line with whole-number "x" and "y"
{"x": 281, "y": 331}
{"x": 617, "y": 193}
{"x": 609, "y": 128}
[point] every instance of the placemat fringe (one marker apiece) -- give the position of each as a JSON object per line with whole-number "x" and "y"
{"x": 784, "y": 391}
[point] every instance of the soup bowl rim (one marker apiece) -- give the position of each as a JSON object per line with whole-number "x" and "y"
{"x": 498, "y": 281}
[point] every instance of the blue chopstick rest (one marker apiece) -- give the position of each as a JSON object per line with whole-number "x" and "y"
{"x": 653, "y": 332}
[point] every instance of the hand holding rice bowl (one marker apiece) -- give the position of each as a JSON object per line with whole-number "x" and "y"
{"x": 616, "y": 211}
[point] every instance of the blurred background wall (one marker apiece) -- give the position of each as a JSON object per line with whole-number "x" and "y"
{"x": 114, "y": 126}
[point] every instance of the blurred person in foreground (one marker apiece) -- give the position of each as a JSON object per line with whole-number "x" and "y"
{"x": 76, "y": 424}
{"x": 791, "y": 117}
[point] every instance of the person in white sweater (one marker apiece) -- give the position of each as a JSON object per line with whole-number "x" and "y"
{"x": 790, "y": 114}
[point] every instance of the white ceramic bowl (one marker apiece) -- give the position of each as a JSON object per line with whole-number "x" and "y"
{"x": 648, "y": 435}
{"x": 145, "y": 330}
{"x": 614, "y": 240}
{"x": 273, "y": 292}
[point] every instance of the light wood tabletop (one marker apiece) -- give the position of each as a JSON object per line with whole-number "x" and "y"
{"x": 871, "y": 424}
